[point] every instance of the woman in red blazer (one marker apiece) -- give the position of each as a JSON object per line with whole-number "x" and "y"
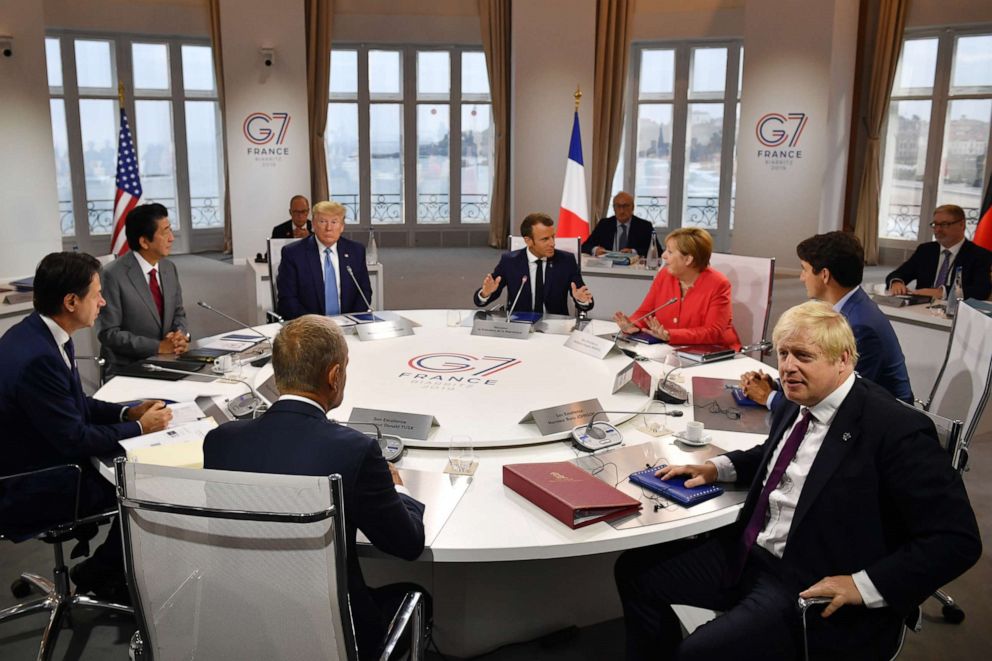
{"x": 701, "y": 313}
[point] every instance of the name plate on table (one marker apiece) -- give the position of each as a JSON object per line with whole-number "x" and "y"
{"x": 408, "y": 425}
{"x": 564, "y": 417}
{"x": 589, "y": 344}
{"x": 633, "y": 373}
{"x": 382, "y": 330}
{"x": 513, "y": 330}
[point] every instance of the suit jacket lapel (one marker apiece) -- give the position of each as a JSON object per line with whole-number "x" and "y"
{"x": 141, "y": 287}
{"x": 843, "y": 434}
{"x": 345, "y": 285}
{"x": 525, "y": 302}
{"x": 168, "y": 297}
{"x": 315, "y": 262}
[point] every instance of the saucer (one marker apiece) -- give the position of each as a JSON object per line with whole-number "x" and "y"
{"x": 705, "y": 440}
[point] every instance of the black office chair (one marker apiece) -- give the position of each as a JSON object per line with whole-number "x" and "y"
{"x": 58, "y": 488}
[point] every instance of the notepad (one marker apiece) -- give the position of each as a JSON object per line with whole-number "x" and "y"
{"x": 674, "y": 488}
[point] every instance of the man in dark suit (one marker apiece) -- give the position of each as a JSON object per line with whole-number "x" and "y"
{"x": 144, "y": 315}
{"x": 623, "y": 231}
{"x": 314, "y": 276}
{"x": 933, "y": 264}
{"x": 832, "y": 269}
{"x": 851, "y": 498}
{"x": 298, "y": 226}
{"x": 294, "y": 437}
{"x": 551, "y": 275}
{"x": 47, "y": 420}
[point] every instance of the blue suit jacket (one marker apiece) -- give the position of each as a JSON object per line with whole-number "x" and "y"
{"x": 880, "y": 356}
{"x": 973, "y": 259}
{"x": 881, "y": 496}
{"x": 296, "y": 438}
{"x": 47, "y": 420}
{"x": 638, "y": 235}
{"x": 559, "y": 274}
{"x": 301, "y": 278}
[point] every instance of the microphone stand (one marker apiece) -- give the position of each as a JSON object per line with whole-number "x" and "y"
{"x": 238, "y": 407}
{"x": 368, "y": 305}
{"x": 598, "y": 433}
{"x": 509, "y": 313}
{"x": 264, "y": 337}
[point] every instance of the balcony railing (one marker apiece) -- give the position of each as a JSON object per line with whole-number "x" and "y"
{"x": 700, "y": 211}
{"x": 206, "y": 213}
{"x": 432, "y": 208}
{"x": 903, "y": 221}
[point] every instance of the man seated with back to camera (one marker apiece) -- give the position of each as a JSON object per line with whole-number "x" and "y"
{"x": 551, "y": 275}
{"x": 933, "y": 264}
{"x": 294, "y": 437}
{"x": 48, "y": 420}
{"x": 851, "y": 498}
{"x": 832, "y": 268}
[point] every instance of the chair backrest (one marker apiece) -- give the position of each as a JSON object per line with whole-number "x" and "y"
{"x": 226, "y": 564}
{"x": 106, "y": 259}
{"x": 568, "y": 244}
{"x": 962, "y": 389}
{"x": 275, "y": 256}
{"x": 751, "y": 282}
{"x": 950, "y": 436}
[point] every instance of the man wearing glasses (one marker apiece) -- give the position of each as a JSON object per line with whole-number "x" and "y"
{"x": 298, "y": 226}
{"x": 933, "y": 264}
{"x": 622, "y": 232}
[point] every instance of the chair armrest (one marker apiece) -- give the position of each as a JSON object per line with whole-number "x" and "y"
{"x": 409, "y": 616}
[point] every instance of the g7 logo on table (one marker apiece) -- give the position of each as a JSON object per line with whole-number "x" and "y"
{"x": 449, "y": 363}
{"x": 455, "y": 371}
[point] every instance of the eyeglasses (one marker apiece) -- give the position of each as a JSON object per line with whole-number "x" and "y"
{"x": 296, "y": 211}
{"x": 944, "y": 224}
{"x": 327, "y": 222}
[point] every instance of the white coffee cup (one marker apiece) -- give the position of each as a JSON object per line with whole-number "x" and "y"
{"x": 223, "y": 364}
{"x": 694, "y": 431}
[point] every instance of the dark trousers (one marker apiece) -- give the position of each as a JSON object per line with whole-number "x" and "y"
{"x": 760, "y": 619}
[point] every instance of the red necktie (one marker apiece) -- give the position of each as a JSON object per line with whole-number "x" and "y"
{"x": 156, "y": 293}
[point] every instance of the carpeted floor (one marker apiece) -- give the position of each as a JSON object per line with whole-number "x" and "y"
{"x": 445, "y": 278}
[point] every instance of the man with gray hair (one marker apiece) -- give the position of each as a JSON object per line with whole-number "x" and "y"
{"x": 850, "y": 498}
{"x": 294, "y": 437}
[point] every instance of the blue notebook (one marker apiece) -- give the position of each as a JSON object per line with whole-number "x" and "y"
{"x": 742, "y": 399}
{"x": 674, "y": 489}
{"x": 643, "y": 338}
{"x": 526, "y": 317}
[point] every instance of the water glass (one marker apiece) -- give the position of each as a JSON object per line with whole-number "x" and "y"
{"x": 461, "y": 456}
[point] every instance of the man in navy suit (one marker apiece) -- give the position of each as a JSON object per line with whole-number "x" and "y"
{"x": 832, "y": 270}
{"x": 551, "y": 275}
{"x": 851, "y": 498}
{"x": 314, "y": 276}
{"x": 298, "y": 226}
{"x": 47, "y": 419}
{"x": 294, "y": 437}
{"x": 623, "y": 231}
{"x": 933, "y": 264}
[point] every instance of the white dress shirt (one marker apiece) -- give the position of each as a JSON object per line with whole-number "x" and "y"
{"x": 146, "y": 268}
{"x": 532, "y": 270}
{"x": 782, "y": 501}
{"x": 334, "y": 262}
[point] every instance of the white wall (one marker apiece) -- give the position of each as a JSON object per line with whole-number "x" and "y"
{"x": 262, "y": 184}
{"x": 795, "y": 62}
{"x": 189, "y": 18}
{"x": 553, "y": 44}
{"x": 29, "y": 227}
{"x": 394, "y": 21}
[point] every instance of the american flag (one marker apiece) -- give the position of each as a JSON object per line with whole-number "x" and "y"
{"x": 128, "y": 194}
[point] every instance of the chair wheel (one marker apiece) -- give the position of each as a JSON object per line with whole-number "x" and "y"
{"x": 952, "y": 614}
{"x": 20, "y": 588}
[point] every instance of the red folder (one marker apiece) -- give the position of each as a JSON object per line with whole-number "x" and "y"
{"x": 568, "y": 493}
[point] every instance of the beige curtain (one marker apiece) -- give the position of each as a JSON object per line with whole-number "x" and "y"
{"x": 318, "y": 25}
{"x": 494, "y": 16}
{"x": 888, "y": 41}
{"x": 219, "y": 76}
{"x": 614, "y": 24}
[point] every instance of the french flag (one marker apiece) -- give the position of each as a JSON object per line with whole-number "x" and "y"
{"x": 573, "y": 218}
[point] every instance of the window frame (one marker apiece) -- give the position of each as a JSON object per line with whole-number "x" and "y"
{"x": 188, "y": 238}
{"x": 410, "y": 102}
{"x": 680, "y": 102}
{"x": 940, "y": 97}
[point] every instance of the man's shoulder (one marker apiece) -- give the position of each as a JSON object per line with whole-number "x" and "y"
{"x": 349, "y": 246}
{"x": 119, "y": 266}
{"x": 637, "y": 221}
{"x": 976, "y": 251}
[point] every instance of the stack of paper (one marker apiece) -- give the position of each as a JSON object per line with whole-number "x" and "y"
{"x": 180, "y": 446}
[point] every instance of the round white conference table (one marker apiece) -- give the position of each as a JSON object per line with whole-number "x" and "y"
{"x": 500, "y": 568}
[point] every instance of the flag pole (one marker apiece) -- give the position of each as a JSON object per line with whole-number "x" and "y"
{"x": 578, "y": 97}
{"x": 120, "y": 93}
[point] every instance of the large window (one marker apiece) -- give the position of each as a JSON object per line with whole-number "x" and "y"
{"x": 937, "y": 138}
{"x": 175, "y": 121}
{"x": 409, "y": 137}
{"x": 677, "y": 157}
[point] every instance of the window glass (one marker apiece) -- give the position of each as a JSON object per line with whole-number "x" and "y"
{"x": 98, "y": 125}
{"x": 63, "y": 180}
{"x": 198, "y": 68}
{"x": 150, "y": 63}
{"x": 972, "y": 64}
{"x": 386, "y": 146}
{"x": 657, "y": 72}
{"x": 654, "y": 157}
{"x": 917, "y": 65}
{"x": 962, "y": 162}
{"x": 53, "y": 60}
{"x": 433, "y": 74}
{"x": 903, "y": 169}
{"x": 203, "y": 140}
{"x": 344, "y": 72}
{"x": 709, "y": 70}
{"x": 704, "y": 142}
{"x": 477, "y": 155}
{"x": 475, "y": 77}
{"x": 93, "y": 64}
{"x": 341, "y": 148}
{"x": 384, "y": 72}
{"x": 433, "y": 165}
{"x": 156, "y": 158}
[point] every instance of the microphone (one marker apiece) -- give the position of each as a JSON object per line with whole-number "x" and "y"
{"x": 390, "y": 445}
{"x": 360, "y": 292}
{"x": 509, "y": 313}
{"x": 239, "y": 407}
{"x": 592, "y": 436}
{"x": 671, "y": 393}
{"x": 598, "y": 433}
{"x": 207, "y": 306}
{"x": 651, "y": 312}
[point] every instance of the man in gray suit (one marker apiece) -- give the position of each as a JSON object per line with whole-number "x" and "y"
{"x": 144, "y": 314}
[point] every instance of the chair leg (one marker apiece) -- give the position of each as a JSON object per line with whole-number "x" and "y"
{"x": 90, "y": 602}
{"x": 26, "y": 608}
{"x": 950, "y": 610}
{"x": 40, "y": 583}
{"x": 51, "y": 635}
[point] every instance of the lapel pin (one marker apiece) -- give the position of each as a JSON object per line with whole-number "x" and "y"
{"x": 346, "y": 255}
{"x": 846, "y": 436}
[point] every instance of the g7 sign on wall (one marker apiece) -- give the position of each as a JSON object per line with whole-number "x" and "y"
{"x": 266, "y": 136}
{"x": 779, "y": 136}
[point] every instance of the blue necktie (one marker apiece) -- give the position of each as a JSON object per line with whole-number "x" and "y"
{"x": 331, "y": 306}
{"x": 945, "y": 267}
